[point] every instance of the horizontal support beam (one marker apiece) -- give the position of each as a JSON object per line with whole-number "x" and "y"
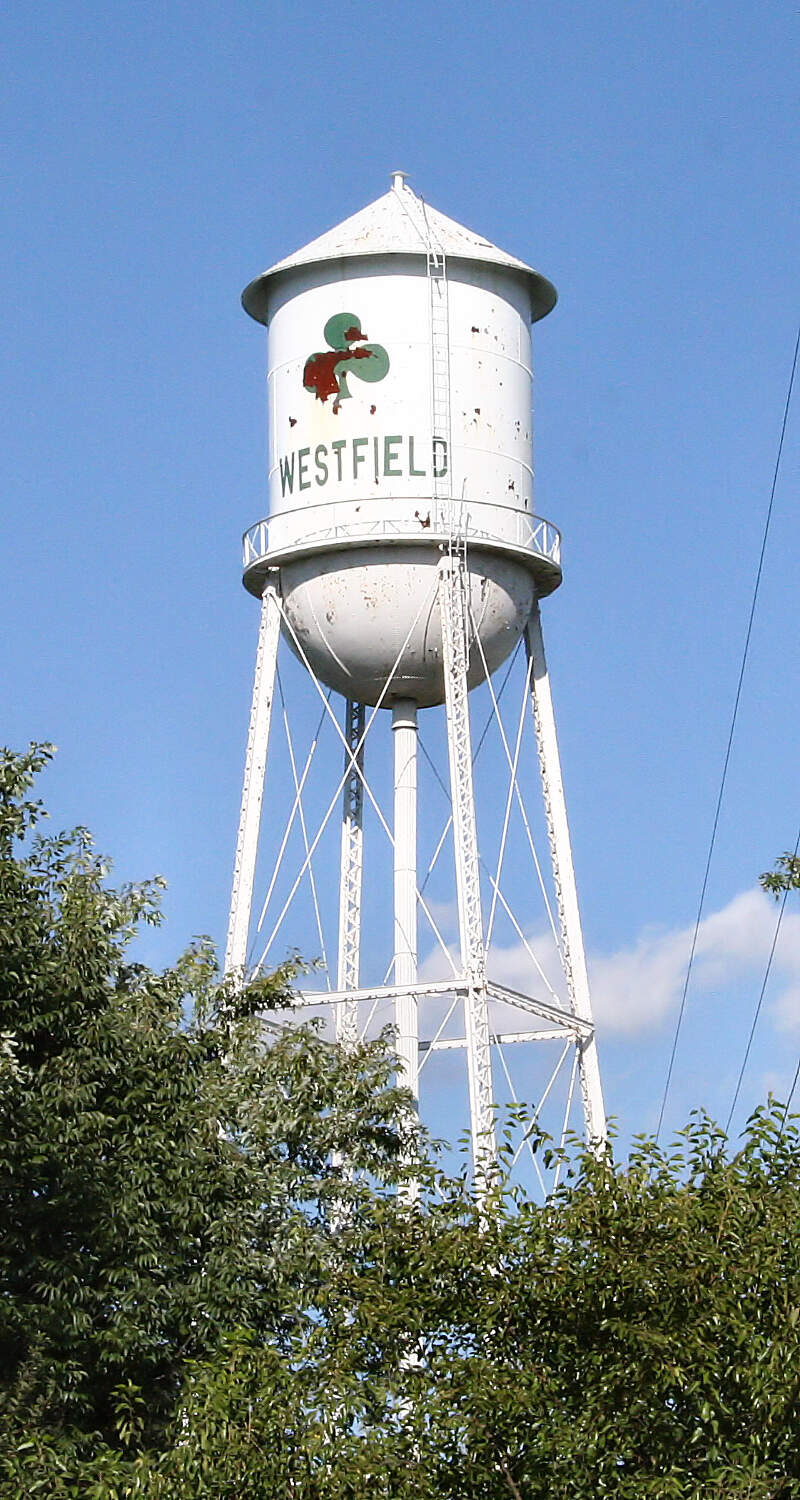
{"x": 564, "y": 1018}
{"x": 449, "y": 1044}
{"x": 381, "y": 992}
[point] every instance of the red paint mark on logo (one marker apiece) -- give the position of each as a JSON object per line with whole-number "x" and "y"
{"x": 321, "y": 370}
{"x": 325, "y": 372}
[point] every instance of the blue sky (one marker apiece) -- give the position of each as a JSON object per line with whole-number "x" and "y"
{"x": 155, "y": 158}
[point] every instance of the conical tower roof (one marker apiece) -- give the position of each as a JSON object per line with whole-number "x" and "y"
{"x": 399, "y": 223}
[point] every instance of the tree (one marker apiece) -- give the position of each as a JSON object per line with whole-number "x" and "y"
{"x": 165, "y": 1176}
{"x": 785, "y": 876}
{"x": 637, "y": 1336}
{"x": 198, "y": 1301}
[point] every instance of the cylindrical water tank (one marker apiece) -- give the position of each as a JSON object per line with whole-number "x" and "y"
{"x": 399, "y": 413}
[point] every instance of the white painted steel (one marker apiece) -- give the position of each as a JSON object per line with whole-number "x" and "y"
{"x": 411, "y": 561}
{"x": 542, "y": 1008}
{"x": 497, "y": 1038}
{"x": 388, "y": 227}
{"x": 399, "y": 393}
{"x": 573, "y": 953}
{"x": 375, "y": 446}
{"x": 453, "y": 598}
{"x": 352, "y": 615}
{"x": 298, "y": 802}
{"x": 337, "y": 527}
{"x": 253, "y": 790}
{"x": 459, "y": 986}
{"x": 379, "y": 992}
{"x": 404, "y": 733}
{"x": 351, "y": 872}
{"x": 365, "y": 783}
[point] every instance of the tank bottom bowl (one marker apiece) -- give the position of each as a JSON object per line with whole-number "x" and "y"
{"x": 360, "y": 619}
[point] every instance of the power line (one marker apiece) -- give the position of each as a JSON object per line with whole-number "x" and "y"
{"x": 761, "y": 998}
{"x": 734, "y": 716}
{"x": 789, "y": 1100}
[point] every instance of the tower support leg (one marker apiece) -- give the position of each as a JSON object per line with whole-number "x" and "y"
{"x": 453, "y": 582}
{"x": 404, "y": 728}
{"x": 254, "y": 770}
{"x": 351, "y": 872}
{"x": 574, "y": 956}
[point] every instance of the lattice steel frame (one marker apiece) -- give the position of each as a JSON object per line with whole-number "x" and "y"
{"x": 453, "y": 584}
{"x": 351, "y": 873}
{"x": 255, "y": 766}
{"x": 572, "y": 948}
{"x": 468, "y": 986}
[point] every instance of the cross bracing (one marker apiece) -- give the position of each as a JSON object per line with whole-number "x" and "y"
{"x": 502, "y": 992}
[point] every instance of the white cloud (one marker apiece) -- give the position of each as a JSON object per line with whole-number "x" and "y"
{"x": 444, "y": 913}
{"x": 634, "y": 988}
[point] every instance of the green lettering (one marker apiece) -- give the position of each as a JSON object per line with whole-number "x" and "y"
{"x": 287, "y": 474}
{"x": 391, "y": 457}
{"x": 358, "y": 458}
{"x": 322, "y": 467}
{"x": 337, "y": 447}
{"x": 440, "y": 458}
{"x": 302, "y": 482}
{"x": 411, "y": 469}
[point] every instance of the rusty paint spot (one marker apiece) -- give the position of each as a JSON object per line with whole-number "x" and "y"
{"x": 511, "y": 484}
{"x": 293, "y": 421}
{"x": 477, "y": 411}
{"x": 372, "y": 411}
{"x": 474, "y": 329}
{"x": 424, "y": 521}
{"x": 319, "y": 373}
{"x": 353, "y": 334}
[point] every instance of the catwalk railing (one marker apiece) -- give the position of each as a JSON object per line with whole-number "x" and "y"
{"x": 342, "y": 523}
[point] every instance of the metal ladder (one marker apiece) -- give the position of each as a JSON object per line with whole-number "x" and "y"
{"x": 439, "y": 313}
{"x": 440, "y": 377}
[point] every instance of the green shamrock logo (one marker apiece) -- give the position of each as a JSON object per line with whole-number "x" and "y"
{"x": 326, "y": 372}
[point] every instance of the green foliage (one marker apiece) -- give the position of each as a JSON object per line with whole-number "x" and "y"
{"x": 198, "y": 1301}
{"x": 785, "y": 876}
{"x": 162, "y": 1181}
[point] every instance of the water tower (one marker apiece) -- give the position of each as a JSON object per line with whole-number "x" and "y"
{"x": 403, "y": 562}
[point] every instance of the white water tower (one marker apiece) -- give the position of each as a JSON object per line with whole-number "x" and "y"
{"x": 403, "y": 562}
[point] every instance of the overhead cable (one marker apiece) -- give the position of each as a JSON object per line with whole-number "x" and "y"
{"x": 789, "y": 1100}
{"x": 762, "y": 991}
{"x": 734, "y": 716}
